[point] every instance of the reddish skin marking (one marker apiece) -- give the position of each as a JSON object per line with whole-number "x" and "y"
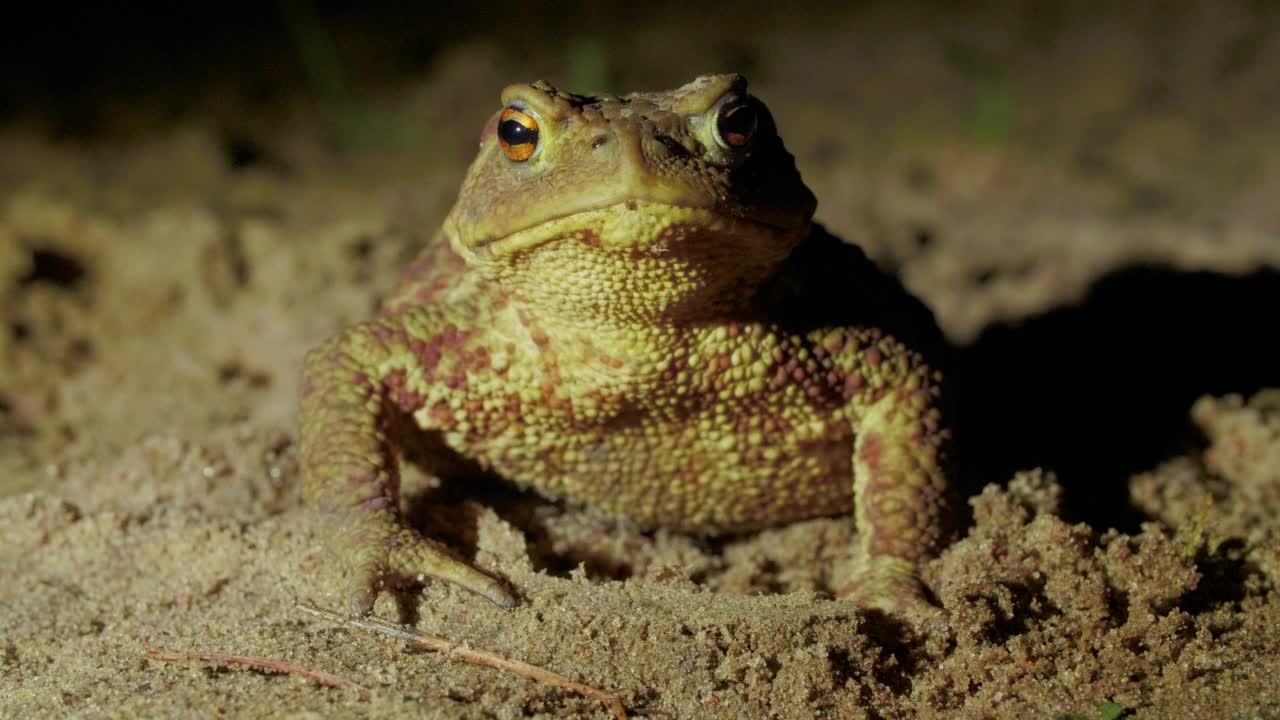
{"x": 398, "y": 391}
{"x": 587, "y": 237}
{"x": 873, "y": 357}
{"x": 723, "y": 362}
{"x": 870, "y": 453}
{"x": 513, "y": 405}
{"x": 425, "y": 295}
{"x": 441, "y": 413}
{"x": 428, "y": 354}
{"x": 881, "y": 540}
{"x": 452, "y": 337}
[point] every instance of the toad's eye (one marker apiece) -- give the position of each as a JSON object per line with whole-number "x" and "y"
{"x": 517, "y": 134}
{"x": 736, "y": 123}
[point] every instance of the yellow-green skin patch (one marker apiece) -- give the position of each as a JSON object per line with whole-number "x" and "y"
{"x": 592, "y": 322}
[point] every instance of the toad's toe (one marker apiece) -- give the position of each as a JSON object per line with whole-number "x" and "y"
{"x": 415, "y": 557}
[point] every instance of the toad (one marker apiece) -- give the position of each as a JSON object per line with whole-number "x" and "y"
{"x": 630, "y": 306}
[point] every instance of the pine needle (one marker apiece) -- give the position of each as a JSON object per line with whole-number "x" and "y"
{"x": 452, "y": 649}
{"x": 268, "y": 664}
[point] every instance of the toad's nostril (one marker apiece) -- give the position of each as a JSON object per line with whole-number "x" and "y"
{"x": 599, "y": 141}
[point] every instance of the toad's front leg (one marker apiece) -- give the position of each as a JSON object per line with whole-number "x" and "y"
{"x": 350, "y": 386}
{"x": 900, "y": 492}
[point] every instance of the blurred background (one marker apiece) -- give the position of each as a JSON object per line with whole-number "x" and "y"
{"x": 1084, "y": 193}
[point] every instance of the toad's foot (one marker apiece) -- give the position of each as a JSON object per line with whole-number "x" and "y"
{"x": 351, "y": 474}
{"x": 379, "y": 556}
{"x": 890, "y": 585}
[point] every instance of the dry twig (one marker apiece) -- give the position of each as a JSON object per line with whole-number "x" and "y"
{"x": 470, "y": 655}
{"x": 323, "y": 678}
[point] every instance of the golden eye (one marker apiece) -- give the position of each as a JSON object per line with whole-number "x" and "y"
{"x": 736, "y": 123}
{"x": 517, "y": 134}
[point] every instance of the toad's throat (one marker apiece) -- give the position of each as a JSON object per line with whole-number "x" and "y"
{"x": 628, "y": 225}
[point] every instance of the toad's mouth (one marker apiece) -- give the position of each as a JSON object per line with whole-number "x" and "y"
{"x": 633, "y": 224}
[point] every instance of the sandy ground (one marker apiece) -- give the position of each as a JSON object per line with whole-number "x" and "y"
{"x": 1089, "y": 210}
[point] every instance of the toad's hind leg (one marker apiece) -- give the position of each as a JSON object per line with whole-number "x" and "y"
{"x": 349, "y": 385}
{"x": 900, "y": 495}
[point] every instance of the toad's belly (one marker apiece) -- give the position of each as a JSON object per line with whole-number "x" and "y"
{"x": 697, "y": 474}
